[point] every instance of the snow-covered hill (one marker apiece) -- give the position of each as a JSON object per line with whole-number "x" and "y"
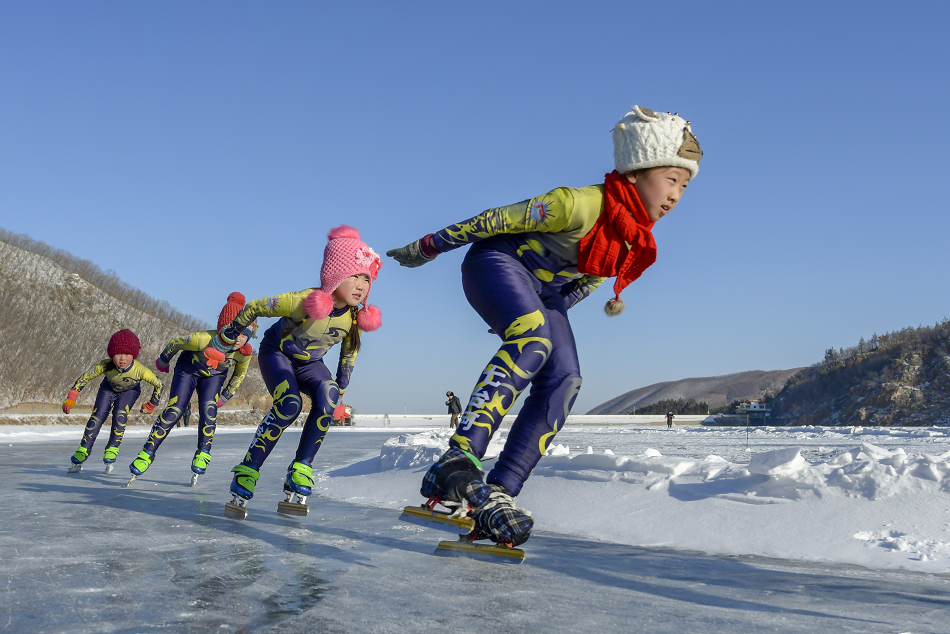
{"x": 54, "y": 325}
{"x": 716, "y": 391}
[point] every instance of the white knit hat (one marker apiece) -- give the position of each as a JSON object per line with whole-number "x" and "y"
{"x": 644, "y": 139}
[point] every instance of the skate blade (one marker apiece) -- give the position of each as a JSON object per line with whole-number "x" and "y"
{"x": 235, "y": 511}
{"x": 293, "y": 508}
{"x": 194, "y": 479}
{"x": 110, "y": 467}
{"x": 131, "y": 480}
{"x": 485, "y": 552}
{"x": 76, "y": 468}
{"x": 424, "y": 516}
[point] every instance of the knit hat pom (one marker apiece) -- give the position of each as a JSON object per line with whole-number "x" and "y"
{"x": 231, "y": 309}
{"x": 614, "y": 307}
{"x": 344, "y": 231}
{"x": 319, "y": 304}
{"x": 369, "y": 318}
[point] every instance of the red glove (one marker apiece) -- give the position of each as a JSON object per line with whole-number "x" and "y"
{"x": 70, "y": 401}
{"x": 160, "y": 366}
{"x": 213, "y": 358}
{"x": 339, "y": 412}
{"x": 148, "y": 408}
{"x": 221, "y": 402}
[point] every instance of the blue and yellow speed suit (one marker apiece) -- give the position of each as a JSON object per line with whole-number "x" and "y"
{"x": 192, "y": 373}
{"x": 521, "y": 276}
{"x": 291, "y": 360}
{"x": 119, "y": 390}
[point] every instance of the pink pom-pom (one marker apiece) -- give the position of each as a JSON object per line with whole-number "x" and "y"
{"x": 369, "y": 318}
{"x": 343, "y": 231}
{"x": 319, "y": 304}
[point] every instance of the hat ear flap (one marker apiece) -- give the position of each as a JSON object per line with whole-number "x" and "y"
{"x": 319, "y": 304}
{"x": 369, "y": 318}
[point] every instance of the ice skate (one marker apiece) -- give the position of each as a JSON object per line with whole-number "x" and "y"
{"x": 77, "y": 459}
{"x": 109, "y": 456}
{"x": 242, "y": 490}
{"x": 199, "y": 464}
{"x": 447, "y": 483}
{"x": 297, "y": 487}
{"x": 465, "y": 547}
{"x": 142, "y": 462}
{"x": 499, "y": 520}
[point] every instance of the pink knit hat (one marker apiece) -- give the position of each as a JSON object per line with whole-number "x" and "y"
{"x": 344, "y": 256}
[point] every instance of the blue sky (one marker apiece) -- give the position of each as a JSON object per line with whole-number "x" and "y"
{"x": 200, "y": 148}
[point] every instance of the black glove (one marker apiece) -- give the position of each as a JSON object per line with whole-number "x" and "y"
{"x": 410, "y": 255}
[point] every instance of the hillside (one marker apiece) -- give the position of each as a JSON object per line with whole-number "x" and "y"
{"x": 55, "y": 323}
{"x": 717, "y": 391}
{"x": 900, "y": 378}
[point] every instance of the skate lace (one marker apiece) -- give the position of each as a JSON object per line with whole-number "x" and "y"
{"x": 501, "y": 499}
{"x": 461, "y": 510}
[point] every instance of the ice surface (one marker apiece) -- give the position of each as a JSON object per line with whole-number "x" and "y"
{"x": 84, "y": 554}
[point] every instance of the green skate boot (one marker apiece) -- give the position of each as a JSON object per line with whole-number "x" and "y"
{"x": 199, "y": 465}
{"x": 109, "y": 456}
{"x": 78, "y": 458}
{"x": 242, "y": 490}
{"x": 297, "y": 486}
{"x": 141, "y": 463}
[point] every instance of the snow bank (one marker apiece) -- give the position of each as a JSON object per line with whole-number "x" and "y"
{"x": 867, "y": 505}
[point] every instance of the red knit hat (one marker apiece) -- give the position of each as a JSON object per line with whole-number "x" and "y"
{"x": 235, "y": 303}
{"x": 124, "y": 342}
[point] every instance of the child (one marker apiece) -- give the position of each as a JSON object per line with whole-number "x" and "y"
{"x": 194, "y": 373}
{"x": 529, "y": 263}
{"x": 119, "y": 390}
{"x": 291, "y": 360}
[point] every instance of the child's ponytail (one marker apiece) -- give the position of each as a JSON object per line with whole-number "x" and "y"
{"x": 353, "y": 338}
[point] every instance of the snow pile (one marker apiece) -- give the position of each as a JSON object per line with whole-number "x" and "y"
{"x": 421, "y": 450}
{"x": 866, "y": 505}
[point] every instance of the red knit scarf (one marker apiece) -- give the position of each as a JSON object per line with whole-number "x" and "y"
{"x": 603, "y": 251}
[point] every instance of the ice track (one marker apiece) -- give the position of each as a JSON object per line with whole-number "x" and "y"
{"x": 84, "y": 554}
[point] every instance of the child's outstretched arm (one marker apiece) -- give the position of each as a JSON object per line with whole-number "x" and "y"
{"x": 549, "y": 213}
{"x": 172, "y": 348}
{"x": 344, "y": 369}
{"x": 240, "y": 371}
{"x": 289, "y": 305}
{"x": 149, "y": 377}
{"x": 82, "y": 382}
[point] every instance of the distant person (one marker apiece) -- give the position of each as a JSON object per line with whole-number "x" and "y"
{"x": 455, "y": 408}
{"x": 119, "y": 390}
{"x": 196, "y": 373}
{"x": 528, "y": 264}
{"x": 186, "y": 415}
{"x": 291, "y": 357}
{"x": 669, "y": 420}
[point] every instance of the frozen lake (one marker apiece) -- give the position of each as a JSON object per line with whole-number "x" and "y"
{"x": 84, "y": 554}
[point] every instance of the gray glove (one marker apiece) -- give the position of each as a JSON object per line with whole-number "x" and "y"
{"x": 410, "y": 255}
